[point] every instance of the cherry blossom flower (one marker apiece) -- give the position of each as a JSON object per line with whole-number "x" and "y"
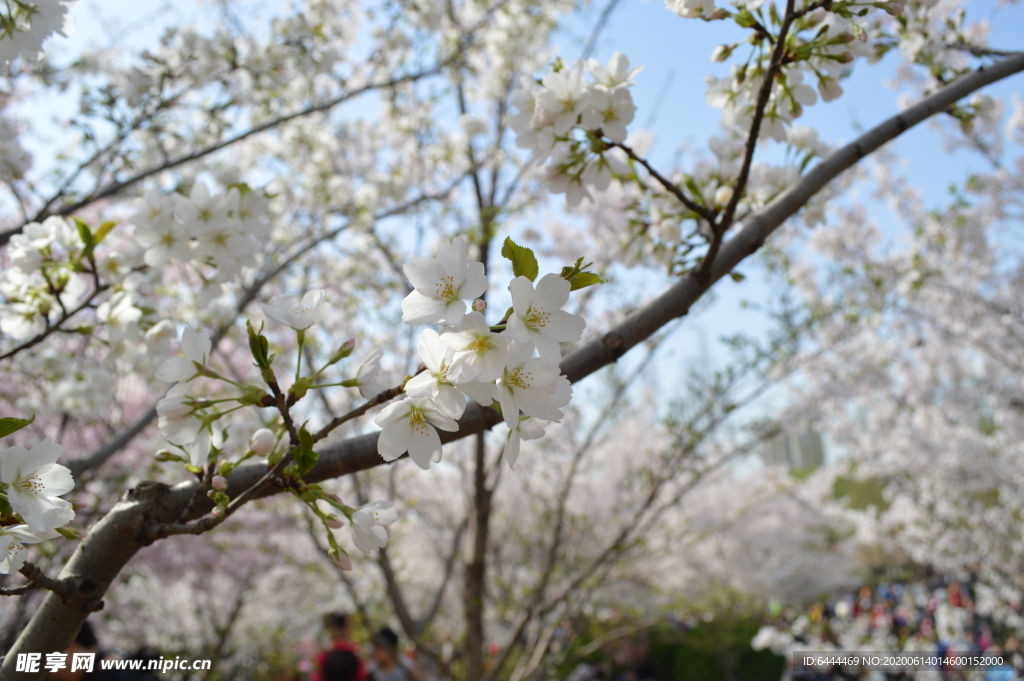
{"x": 157, "y": 230}
{"x": 537, "y": 316}
{"x": 479, "y": 353}
{"x": 373, "y": 380}
{"x": 410, "y": 425}
{"x": 199, "y": 449}
{"x": 526, "y": 385}
{"x": 34, "y": 482}
{"x": 177, "y": 421}
{"x": 617, "y": 111}
{"x": 27, "y": 250}
{"x": 368, "y": 525}
{"x": 617, "y": 75}
{"x": 566, "y": 95}
{"x": 21, "y": 320}
{"x": 184, "y": 369}
{"x": 529, "y": 428}
{"x": 201, "y": 212}
{"x": 434, "y": 382}
{"x": 31, "y": 31}
{"x": 299, "y": 315}
{"x": 12, "y": 546}
{"x": 442, "y": 284}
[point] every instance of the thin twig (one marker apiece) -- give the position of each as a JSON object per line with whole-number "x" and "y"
{"x": 18, "y": 590}
{"x": 670, "y": 186}
{"x": 718, "y": 228}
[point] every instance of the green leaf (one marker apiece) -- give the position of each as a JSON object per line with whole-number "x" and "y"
{"x": 87, "y": 238}
{"x": 585, "y": 279}
{"x": 104, "y": 229}
{"x": 524, "y": 262}
{"x": 305, "y": 458}
{"x": 9, "y": 425}
{"x": 68, "y": 533}
{"x": 578, "y": 277}
{"x": 737, "y": 277}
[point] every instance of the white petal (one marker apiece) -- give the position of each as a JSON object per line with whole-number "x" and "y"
{"x": 552, "y": 292}
{"x": 509, "y": 406}
{"x": 394, "y": 440}
{"x": 176, "y": 369}
{"x": 422, "y": 274}
{"x": 511, "y": 452}
{"x": 421, "y": 385}
{"x": 464, "y": 368}
{"x": 364, "y": 541}
{"x": 424, "y": 443}
{"x": 476, "y": 282}
{"x": 516, "y": 329}
{"x": 479, "y": 392}
{"x": 395, "y": 411}
{"x": 564, "y": 327}
{"x": 56, "y": 480}
{"x": 454, "y": 312}
{"x": 548, "y": 350}
{"x": 196, "y": 349}
{"x": 522, "y": 294}
{"x": 431, "y": 350}
{"x": 417, "y": 309}
{"x": 450, "y": 401}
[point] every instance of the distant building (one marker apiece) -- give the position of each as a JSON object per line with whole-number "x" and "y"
{"x": 796, "y": 451}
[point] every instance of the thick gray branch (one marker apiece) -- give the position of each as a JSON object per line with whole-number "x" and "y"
{"x": 113, "y": 541}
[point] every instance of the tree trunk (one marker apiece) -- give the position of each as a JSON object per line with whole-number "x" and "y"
{"x": 476, "y": 570}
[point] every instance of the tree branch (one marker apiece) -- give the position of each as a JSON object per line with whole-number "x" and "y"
{"x": 116, "y": 538}
{"x": 115, "y": 187}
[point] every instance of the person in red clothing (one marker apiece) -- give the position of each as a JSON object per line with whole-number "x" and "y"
{"x": 341, "y": 662}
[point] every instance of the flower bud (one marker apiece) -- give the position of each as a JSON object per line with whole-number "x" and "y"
{"x": 340, "y": 558}
{"x": 344, "y": 351}
{"x": 721, "y": 53}
{"x": 262, "y": 442}
{"x": 719, "y": 14}
{"x": 216, "y": 513}
{"x": 896, "y": 7}
{"x": 335, "y": 523}
{"x": 479, "y": 305}
{"x": 845, "y": 58}
{"x": 219, "y": 483}
{"x": 845, "y": 37}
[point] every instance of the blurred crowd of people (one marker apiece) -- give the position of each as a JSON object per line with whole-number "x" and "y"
{"x": 929, "y": 616}
{"x": 343, "y": 661}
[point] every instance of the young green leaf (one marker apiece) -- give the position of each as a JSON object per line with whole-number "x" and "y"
{"x": 9, "y": 425}
{"x": 585, "y": 279}
{"x": 524, "y": 262}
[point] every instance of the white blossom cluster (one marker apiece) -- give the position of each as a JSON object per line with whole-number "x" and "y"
{"x": 26, "y": 24}
{"x": 564, "y": 103}
{"x": 737, "y": 94}
{"x": 42, "y": 277}
{"x": 224, "y": 231}
{"x": 827, "y": 43}
{"x": 31, "y": 483}
{"x": 471, "y": 358}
